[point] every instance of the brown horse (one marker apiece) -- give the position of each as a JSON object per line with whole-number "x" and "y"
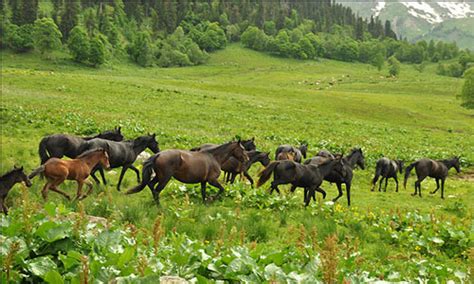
{"x": 7, "y": 181}
{"x": 431, "y": 168}
{"x": 188, "y": 167}
{"x": 232, "y": 167}
{"x": 57, "y": 171}
{"x": 290, "y": 156}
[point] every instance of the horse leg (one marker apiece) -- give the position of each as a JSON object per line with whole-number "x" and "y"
{"x": 339, "y": 189}
{"x": 380, "y": 184}
{"x": 215, "y": 183}
{"x": 89, "y": 184}
{"x": 246, "y": 174}
{"x": 374, "y": 181}
{"x": 348, "y": 192}
{"x": 79, "y": 189}
{"x": 161, "y": 185}
{"x": 94, "y": 177}
{"x": 442, "y": 188}
{"x": 274, "y": 186}
{"x": 44, "y": 191}
{"x": 203, "y": 191}
{"x": 54, "y": 187}
{"x": 122, "y": 173}
{"x": 386, "y": 183}
{"x": 293, "y": 188}
{"x": 102, "y": 174}
{"x": 136, "y": 171}
{"x": 4, "y": 207}
{"x": 437, "y": 187}
{"x": 396, "y": 182}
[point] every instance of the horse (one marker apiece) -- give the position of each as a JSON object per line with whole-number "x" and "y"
{"x": 387, "y": 169}
{"x": 249, "y": 145}
{"x": 430, "y": 168}
{"x": 232, "y": 166}
{"x": 7, "y": 181}
{"x": 355, "y": 158}
{"x": 308, "y": 176}
{"x": 286, "y": 156}
{"x": 299, "y": 152}
{"x": 57, "y": 171}
{"x": 325, "y": 154}
{"x": 122, "y": 154}
{"x": 60, "y": 145}
{"x": 188, "y": 167}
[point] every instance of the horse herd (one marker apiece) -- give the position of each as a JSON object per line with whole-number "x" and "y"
{"x": 204, "y": 164}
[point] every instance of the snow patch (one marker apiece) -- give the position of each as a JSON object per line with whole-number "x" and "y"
{"x": 457, "y": 9}
{"x": 423, "y": 10}
{"x": 378, "y": 8}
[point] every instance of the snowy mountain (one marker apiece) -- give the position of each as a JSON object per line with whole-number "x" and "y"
{"x": 440, "y": 20}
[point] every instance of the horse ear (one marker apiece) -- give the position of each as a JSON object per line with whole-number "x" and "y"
{"x": 21, "y": 168}
{"x": 119, "y": 128}
{"x": 253, "y": 138}
{"x": 153, "y": 134}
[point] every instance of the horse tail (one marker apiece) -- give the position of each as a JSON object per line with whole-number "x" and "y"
{"x": 407, "y": 173}
{"x": 266, "y": 173}
{"x": 36, "y": 172}
{"x": 146, "y": 174}
{"x": 43, "y": 152}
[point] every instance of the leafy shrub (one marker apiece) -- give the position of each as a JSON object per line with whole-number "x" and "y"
{"x": 142, "y": 50}
{"x": 394, "y": 66}
{"x": 97, "y": 52}
{"x": 467, "y": 93}
{"x": 46, "y": 35}
{"x": 20, "y": 38}
{"x": 79, "y": 45}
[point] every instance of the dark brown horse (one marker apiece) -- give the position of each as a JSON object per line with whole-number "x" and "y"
{"x": 355, "y": 158}
{"x": 387, "y": 169}
{"x": 299, "y": 152}
{"x": 7, "y": 181}
{"x": 431, "y": 168}
{"x": 57, "y": 171}
{"x": 188, "y": 167}
{"x": 310, "y": 177}
{"x": 232, "y": 167}
{"x": 60, "y": 145}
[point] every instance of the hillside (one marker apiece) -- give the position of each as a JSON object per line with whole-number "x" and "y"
{"x": 439, "y": 20}
{"x": 248, "y": 235}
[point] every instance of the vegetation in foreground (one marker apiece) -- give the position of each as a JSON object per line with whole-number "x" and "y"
{"x": 248, "y": 234}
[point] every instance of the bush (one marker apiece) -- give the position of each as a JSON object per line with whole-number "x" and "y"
{"x": 141, "y": 50}
{"x": 467, "y": 93}
{"x": 254, "y": 38}
{"x": 97, "y": 52}
{"x": 20, "y": 38}
{"x": 233, "y": 32}
{"x": 46, "y": 36}
{"x": 394, "y": 66}
{"x": 79, "y": 45}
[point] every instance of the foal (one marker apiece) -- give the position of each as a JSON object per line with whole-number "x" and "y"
{"x": 232, "y": 166}
{"x": 387, "y": 169}
{"x": 57, "y": 171}
{"x": 7, "y": 181}
{"x": 431, "y": 168}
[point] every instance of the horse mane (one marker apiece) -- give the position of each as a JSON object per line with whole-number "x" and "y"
{"x": 88, "y": 152}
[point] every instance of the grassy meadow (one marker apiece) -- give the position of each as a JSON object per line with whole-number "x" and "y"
{"x": 328, "y": 104}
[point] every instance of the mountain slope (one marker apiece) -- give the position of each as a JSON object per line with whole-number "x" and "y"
{"x": 414, "y": 20}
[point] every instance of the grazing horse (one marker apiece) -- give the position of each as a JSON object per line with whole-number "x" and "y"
{"x": 7, "y": 181}
{"x": 188, "y": 167}
{"x": 431, "y": 168}
{"x": 57, "y": 171}
{"x": 60, "y": 145}
{"x": 387, "y": 169}
{"x": 122, "y": 154}
{"x": 232, "y": 166}
{"x": 308, "y": 176}
{"x": 249, "y": 145}
{"x": 355, "y": 158}
{"x": 299, "y": 152}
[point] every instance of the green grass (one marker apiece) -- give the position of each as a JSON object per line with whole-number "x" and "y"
{"x": 248, "y": 94}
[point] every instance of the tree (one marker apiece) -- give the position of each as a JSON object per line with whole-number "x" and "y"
{"x": 97, "y": 52}
{"x": 78, "y": 44}
{"x": 394, "y": 66}
{"x": 69, "y": 18}
{"x": 254, "y": 38}
{"x": 46, "y": 35}
{"x": 141, "y": 50}
{"x": 467, "y": 93}
{"x": 29, "y": 11}
{"x": 19, "y": 39}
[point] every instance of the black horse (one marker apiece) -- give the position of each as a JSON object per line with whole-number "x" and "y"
{"x": 299, "y": 153}
{"x": 308, "y": 176}
{"x": 249, "y": 145}
{"x": 232, "y": 166}
{"x": 387, "y": 169}
{"x": 431, "y": 168}
{"x": 7, "y": 181}
{"x": 59, "y": 145}
{"x": 122, "y": 154}
{"x": 355, "y": 158}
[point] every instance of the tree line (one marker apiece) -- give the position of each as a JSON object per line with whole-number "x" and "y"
{"x": 182, "y": 32}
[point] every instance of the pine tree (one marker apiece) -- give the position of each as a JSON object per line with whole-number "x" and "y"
{"x": 69, "y": 17}
{"x": 16, "y": 10}
{"x": 97, "y": 52}
{"x": 29, "y": 11}
{"x": 78, "y": 44}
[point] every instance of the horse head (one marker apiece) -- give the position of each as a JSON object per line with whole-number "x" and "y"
{"x": 249, "y": 145}
{"x": 304, "y": 149}
{"x": 104, "y": 158}
{"x": 113, "y": 135}
{"x": 400, "y": 164}
{"x": 21, "y": 176}
{"x": 457, "y": 164}
{"x": 264, "y": 158}
{"x": 238, "y": 152}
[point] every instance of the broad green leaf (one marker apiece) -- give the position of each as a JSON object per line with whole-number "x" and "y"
{"x": 50, "y": 231}
{"x": 53, "y": 277}
{"x": 41, "y": 265}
